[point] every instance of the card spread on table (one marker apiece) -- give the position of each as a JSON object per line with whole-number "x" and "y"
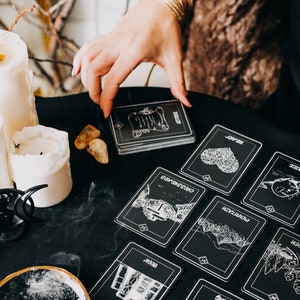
{"x": 161, "y": 206}
{"x": 276, "y": 192}
{"x": 221, "y": 159}
{"x": 136, "y": 273}
{"x": 220, "y": 238}
{"x": 205, "y": 290}
{"x": 150, "y": 126}
{"x": 277, "y": 274}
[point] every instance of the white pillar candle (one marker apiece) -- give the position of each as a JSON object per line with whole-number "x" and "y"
{"x": 17, "y": 102}
{"x": 41, "y": 155}
{"x": 5, "y": 181}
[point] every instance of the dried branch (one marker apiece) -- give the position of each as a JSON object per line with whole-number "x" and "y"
{"x": 19, "y": 16}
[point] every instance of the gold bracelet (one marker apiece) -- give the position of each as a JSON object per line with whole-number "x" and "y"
{"x": 177, "y": 8}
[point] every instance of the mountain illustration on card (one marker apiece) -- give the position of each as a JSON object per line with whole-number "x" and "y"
{"x": 222, "y": 236}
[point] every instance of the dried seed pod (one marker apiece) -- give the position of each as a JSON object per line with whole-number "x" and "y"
{"x": 88, "y": 133}
{"x": 98, "y": 149}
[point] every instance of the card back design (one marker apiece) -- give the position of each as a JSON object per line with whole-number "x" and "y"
{"x": 205, "y": 290}
{"x": 220, "y": 238}
{"x": 276, "y": 192}
{"x": 161, "y": 206}
{"x": 136, "y": 273}
{"x": 221, "y": 159}
{"x": 277, "y": 274}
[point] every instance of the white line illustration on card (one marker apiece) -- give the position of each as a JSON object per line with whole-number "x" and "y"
{"x": 223, "y": 237}
{"x": 278, "y": 258}
{"x": 223, "y": 158}
{"x": 147, "y": 120}
{"x": 158, "y": 209}
{"x": 286, "y": 186}
{"x": 132, "y": 284}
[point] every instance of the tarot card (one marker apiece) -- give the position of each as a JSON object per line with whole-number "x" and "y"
{"x": 276, "y": 192}
{"x": 205, "y": 290}
{"x": 150, "y": 126}
{"x": 136, "y": 273}
{"x": 277, "y": 274}
{"x": 221, "y": 159}
{"x": 161, "y": 206}
{"x": 220, "y": 238}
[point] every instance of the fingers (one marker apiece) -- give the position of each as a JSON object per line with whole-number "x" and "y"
{"x": 120, "y": 70}
{"x": 174, "y": 70}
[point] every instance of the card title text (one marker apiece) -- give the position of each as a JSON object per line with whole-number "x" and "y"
{"x": 177, "y": 184}
{"x": 235, "y": 214}
{"x": 234, "y": 139}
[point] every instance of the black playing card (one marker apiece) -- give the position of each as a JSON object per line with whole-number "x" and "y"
{"x": 220, "y": 238}
{"x": 276, "y": 192}
{"x": 149, "y": 126}
{"x": 205, "y": 290}
{"x": 277, "y": 274}
{"x": 161, "y": 206}
{"x": 136, "y": 273}
{"x": 221, "y": 159}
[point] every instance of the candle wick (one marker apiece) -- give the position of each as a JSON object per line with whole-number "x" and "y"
{"x": 17, "y": 146}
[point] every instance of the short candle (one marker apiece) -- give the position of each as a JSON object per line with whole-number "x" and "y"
{"x": 41, "y": 155}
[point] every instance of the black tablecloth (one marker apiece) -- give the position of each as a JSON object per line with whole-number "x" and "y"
{"x": 80, "y": 233}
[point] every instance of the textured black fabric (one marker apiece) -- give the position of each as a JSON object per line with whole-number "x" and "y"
{"x": 81, "y": 229}
{"x": 284, "y": 106}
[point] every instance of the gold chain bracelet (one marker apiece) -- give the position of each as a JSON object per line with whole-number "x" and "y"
{"x": 178, "y": 7}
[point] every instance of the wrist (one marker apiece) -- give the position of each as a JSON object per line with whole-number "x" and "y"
{"x": 178, "y": 7}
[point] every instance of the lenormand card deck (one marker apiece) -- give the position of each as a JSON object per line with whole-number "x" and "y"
{"x": 205, "y": 290}
{"x": 277, "y": 274}
{"x": 276, "y": 192}
{"x": 149, "y": 126}
{"x": 220, "y": 238}
{"x": 221, "y": 159}
{"x": 161, "y": 206}
{"x": 136, "y": 273}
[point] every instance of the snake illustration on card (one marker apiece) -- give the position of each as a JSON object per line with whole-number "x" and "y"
{"x": 221, "y": 159}
{"x": 276, "y": 192}
{"x": 136, "y": 273}
{"x": 220, "y": 238}
{"x": 205, "y": 290}
{"x": 277, "y": 274}
{"x": 161, "y": 206}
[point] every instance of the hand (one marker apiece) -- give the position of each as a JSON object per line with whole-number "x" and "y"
{"x": 148, "y": 32}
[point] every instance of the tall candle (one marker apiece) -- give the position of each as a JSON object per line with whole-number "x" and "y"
{"x": 17, "y": 102}
{"x": 5, "y": 181}
{"x": 41, "y": 155}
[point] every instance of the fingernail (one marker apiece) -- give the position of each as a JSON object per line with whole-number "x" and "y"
{"x": 73, "y": 72}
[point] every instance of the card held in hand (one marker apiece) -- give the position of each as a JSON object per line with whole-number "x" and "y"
{"x": 149, "y": 126}
{"x": 161, "y": 206}
{"x": 221, "y": 159}
{"x": 205, "y": 290}
{"x": 136, "y": 273}
{"x": 220, "y": 238}
{"x": 277, "y": 274}
{"x": 276, "y": 192}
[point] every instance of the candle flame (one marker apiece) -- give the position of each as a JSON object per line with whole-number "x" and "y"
{"x": 2, "y": 57}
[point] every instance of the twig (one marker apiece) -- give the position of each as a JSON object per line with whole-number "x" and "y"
{"x": 20, "y": 14}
